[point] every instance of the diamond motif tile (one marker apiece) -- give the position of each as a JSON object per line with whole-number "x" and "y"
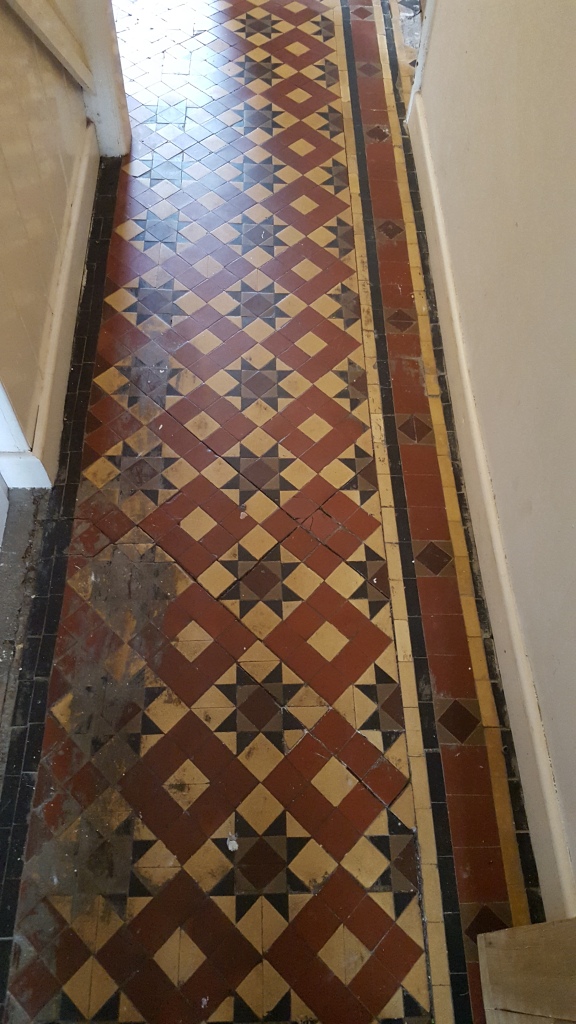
{"x": 223, "y": 826}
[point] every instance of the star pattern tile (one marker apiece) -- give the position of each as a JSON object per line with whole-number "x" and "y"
{"x": 223, "y": 827}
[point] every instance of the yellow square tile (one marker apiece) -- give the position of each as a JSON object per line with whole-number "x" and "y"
{"x": 310, "y": 343}
{"x": 315, "y": 427}
{"x": 260, "y": 809}
{"x": 365, "y": 863}
{"x": 344, "y": 580}
{"x": 297, "y": 49}
{"x": 222, "y": 383}
{"x": 179, "y": 957}
{"x": 216, "y": 579}
{"x": 186, "y": 784}
{"x": 334, "y": 781}
{"x": 300, "y": 146}
{"x": 90, "y": 988}
{"x": 328, "y": 641}
{"x": 208, "y": 266}
{"x": 258, "y": 541}
{"x": 336, "y": 473}
{"x": 205, "y": 342}
{"x": 101, "y": 472}
{"x": 192, "y": 641}
{"x": 304, "y": 204}
{"x": 198, "y": 524}
{"x": 180, "y": 473}
{"x": 208, "y": 866}
{"x": 313, "y": 865}
{"x": 344, "y": 954}
{"x": 303, "y": 581}
{"x": 219, "y": 472}
{"x": 190, "y": 303}
{"x": 166, "y": 710}
{"x": 259, "y": 442}
{"x": 260, "y": 507}
{"x": 259, "y": 412}
{"x": 202, "y": 425}
{"x": 298, "y": 474}
{"x": 261, "y": 620}
{"x": 260, "y": 757}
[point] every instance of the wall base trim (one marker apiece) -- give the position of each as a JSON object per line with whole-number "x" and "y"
{"x": 23, "y": 469}
{"x": 3, "y": 506}
{"x": 543, "y": 807}
{"x": 63, "y": 307}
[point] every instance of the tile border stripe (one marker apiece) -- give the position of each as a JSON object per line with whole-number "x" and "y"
{"x": 503, "y": 806}
{"x": 408, "y": 629}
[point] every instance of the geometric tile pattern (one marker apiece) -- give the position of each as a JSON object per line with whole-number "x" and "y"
{"x": 224, "y": 775}
{"x": 223, "y": 825}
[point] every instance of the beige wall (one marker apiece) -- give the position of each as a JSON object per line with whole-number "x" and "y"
{"x": 62, "y": 103}
{"x": 494, "y": 133}
{"x": 42, "y": 132}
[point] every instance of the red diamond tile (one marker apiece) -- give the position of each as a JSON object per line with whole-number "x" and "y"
{"x": 319, "y": 149}
{"x": 298, "y": 94}
{"x": 309, "y": 50}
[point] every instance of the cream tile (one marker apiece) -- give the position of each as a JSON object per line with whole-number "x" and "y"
{"x": 260, "y": 757}
{"x": 260, "y": 809}
{"x": 334, "y": 781}
{"x": 365, "y": 862}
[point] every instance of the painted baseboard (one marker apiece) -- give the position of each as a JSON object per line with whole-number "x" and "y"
{"x": 557, "y": 877}
{"x": 3, "y": 506}
{"x": 64, "y": 297}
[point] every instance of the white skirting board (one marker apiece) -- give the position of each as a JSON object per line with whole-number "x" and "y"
{"x": 3, "y": 506}
{"x": 20, "y": 466}
{"x": 65, "y": 294}
{"x": 557, "y": 878}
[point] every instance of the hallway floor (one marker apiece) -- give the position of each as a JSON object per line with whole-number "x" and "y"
{"x": 273, "y": 782}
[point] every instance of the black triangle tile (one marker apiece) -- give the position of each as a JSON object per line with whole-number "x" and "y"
{"x": 294, "y": 844}
{"x": 225, "y": 886}
{"x": 136, "y": 887}
{"x": 118, "y": 904}
{"x": 110, "y": 1010}
{"x": 222, "y": 845}
{"x": 401, "y": 901}
{"x": 382, "y": 843}
{"x": 69, "y": 1010}
{"x": 244, "y": 903}
{"x": 289, "y": 721}
{"x": 384, "y": 883}
{"x": 243, "y": 1014}
{"x": 397, "y": 827}
{"x": 413, "y": 1008}
{"x": 373, "y": 722}
{"x": 281, "y": 1012}
{"x": 280, "y": 903}
{"x": 149, "y": 728}
{"x": 295, "y": 884}
{"x": 277, "y": 827}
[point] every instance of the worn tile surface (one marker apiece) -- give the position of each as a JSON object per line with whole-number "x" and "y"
{"x": 263, "y": 685}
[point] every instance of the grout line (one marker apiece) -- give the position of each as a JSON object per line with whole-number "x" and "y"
{"x": 489, "y": 716}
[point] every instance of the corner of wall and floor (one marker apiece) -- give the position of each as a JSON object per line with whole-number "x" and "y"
{"x": 545, "y": 812}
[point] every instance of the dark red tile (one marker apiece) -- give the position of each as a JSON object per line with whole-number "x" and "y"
{"x": 480, "y": 874}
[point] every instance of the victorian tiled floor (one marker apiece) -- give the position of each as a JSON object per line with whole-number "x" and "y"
{"x": 272, "y": 783}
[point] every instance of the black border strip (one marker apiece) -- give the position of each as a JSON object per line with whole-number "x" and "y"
{"x": 452, "y": 919}
{"x": 529, "y": 870}
{"x": 28, "y": 720}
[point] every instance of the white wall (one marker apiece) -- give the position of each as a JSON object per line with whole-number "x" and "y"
{"x": 493, "y": 130}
